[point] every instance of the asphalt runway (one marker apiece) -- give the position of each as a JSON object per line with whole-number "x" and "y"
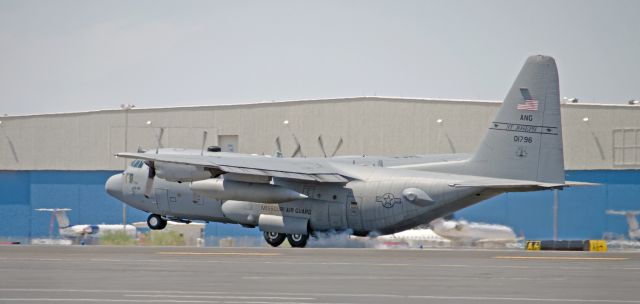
{"x": 96, "y": 274}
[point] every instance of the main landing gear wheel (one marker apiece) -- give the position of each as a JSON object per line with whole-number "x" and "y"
{"x": 298, "y": 240}
{"x": 156, "y": 222}
{"x": 274, "y": 239}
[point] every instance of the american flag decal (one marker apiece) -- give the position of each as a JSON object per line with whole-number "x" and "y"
{"x": 528, "y": 105}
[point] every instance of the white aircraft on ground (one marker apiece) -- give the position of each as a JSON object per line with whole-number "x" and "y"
{"x": 473, "y": 233}
{"x": 81, "y": 234}
{"x": 454, "y": 232}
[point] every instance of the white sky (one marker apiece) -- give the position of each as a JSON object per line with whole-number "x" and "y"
{"x": 61, "y": 56}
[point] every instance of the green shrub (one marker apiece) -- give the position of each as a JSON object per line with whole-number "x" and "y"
{"x": 164, "y": 238}
{"x": 117, "y": 238}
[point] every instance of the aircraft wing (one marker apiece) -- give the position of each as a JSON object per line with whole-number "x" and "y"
{"x": 291, "y": 168}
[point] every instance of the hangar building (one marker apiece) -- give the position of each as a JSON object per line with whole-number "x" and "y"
{"x": 63, "y": 160}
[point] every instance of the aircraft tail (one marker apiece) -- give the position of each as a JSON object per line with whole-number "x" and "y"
{"x": 63, "y": 219}
{"x": 630, "y": 215}
{"x": 61, "y": 216}
{"x": 632, "y": 221}
{"x": 524, "y": 141}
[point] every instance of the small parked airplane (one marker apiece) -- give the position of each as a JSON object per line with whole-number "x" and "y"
{"x": 82, "y": 234}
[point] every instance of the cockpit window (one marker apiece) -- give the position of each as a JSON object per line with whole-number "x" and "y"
{"x": 137, "y": 163}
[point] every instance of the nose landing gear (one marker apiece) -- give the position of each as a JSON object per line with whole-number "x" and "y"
{"x": 156, "y": 222}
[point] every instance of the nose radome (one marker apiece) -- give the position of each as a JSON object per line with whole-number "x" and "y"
{"x": 114, "y": 186}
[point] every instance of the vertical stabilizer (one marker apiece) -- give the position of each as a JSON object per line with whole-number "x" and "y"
{"x": 63, "y": 219}
{"x": 632, "y": 221}
{"x": 524, "y": 141}
{"x": 61, "y": 216}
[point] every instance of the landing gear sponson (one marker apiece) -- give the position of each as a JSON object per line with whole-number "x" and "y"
{"x": 156, "y": 222}
{"x": 295, "y": 240}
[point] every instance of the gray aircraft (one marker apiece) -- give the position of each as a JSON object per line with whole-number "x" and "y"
{"x": 293, "y": 198}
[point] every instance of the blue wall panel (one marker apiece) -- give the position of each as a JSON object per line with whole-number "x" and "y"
{"x": 581, "y": 209}
{"x": 14, "y": 188}
{"x": 15, "y": 221}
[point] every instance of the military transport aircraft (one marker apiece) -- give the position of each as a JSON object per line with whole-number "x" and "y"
{"x": 294, "y": 197}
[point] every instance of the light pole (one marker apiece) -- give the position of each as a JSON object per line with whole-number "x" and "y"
{"x": 126, "y": 108}
{"x": 555, "y": 214}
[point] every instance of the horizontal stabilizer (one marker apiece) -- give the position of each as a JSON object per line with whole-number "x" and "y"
{"x": 517, "y": 185}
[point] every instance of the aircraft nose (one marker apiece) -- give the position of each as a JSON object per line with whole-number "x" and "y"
{"x": 114, "y": 186}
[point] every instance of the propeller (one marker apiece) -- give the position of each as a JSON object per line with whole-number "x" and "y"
{"x": 204, "y": 142}
{"x": 152, "y": 168}
{"x": 335, "y": 151}
{"x": 150, "y": 177}
{"x": 322, "y": 146}
{"x": 298, "y": 150}
{"x": 278, "y": 147}
{"x": 159, "y": 140}
{"x": 324, "y": 152}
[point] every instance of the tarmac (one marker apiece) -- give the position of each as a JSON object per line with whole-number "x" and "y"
{"x": 98, "y": 274}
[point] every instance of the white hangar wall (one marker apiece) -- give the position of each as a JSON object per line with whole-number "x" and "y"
{"x": 608, "y": 139}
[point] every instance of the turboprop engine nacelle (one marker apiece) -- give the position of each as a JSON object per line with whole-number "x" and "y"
{"x": 223, "y": 189}
{"x": 181, "y": 173}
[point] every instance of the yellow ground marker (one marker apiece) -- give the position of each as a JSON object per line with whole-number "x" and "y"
{"x": 558, "y": 258}
{"x": 218, "y": 253}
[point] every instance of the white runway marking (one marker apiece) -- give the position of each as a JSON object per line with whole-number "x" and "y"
{"x": 523, "y": 299}
{"x": 262, "y": 262}
{"x": 218, "y": 253}
{"x": 218, "y": 297}
{"x": 165, "y": 297}
{"x": 32, "y": 300}
{"x": 559, "y": 258}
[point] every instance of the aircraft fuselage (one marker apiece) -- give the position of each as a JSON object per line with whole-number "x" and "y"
{"x": 384, "y": 200}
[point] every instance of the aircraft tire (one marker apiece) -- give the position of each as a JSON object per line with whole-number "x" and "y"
{"x": 273, "y": 238}
{"x": 156, "y": 222}
{"x": 298, "y": 240}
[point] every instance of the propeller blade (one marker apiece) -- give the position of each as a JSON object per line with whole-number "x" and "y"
{"x": 298, "y": 148}
{"x": 322, "y": 146}
{"x": 278, "y": 147}
{"x": 150, "y": 178}
{"x": 337, "y": 147}
{"x": 204, "y": 142}
{"x": 159, "y": 140}
{"x": 297, "y": 151}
